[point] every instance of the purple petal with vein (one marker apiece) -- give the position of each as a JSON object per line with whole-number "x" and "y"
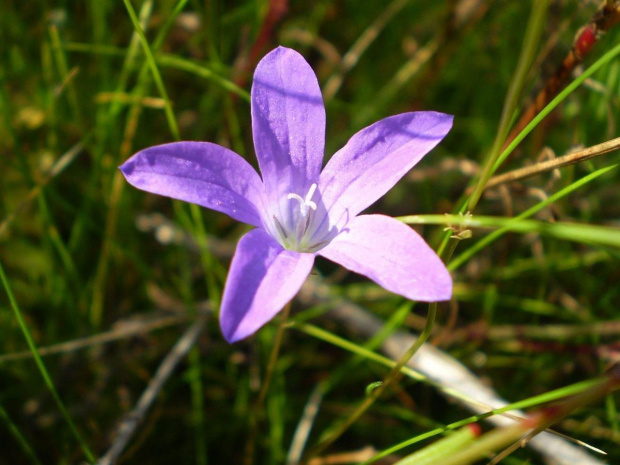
{"x": 202, "y": 173}
{"x": 393, "y": 255}
{"x": 263, "y": 277}
{"x": 376, "y": 158}
{"x": 288, "y": 122}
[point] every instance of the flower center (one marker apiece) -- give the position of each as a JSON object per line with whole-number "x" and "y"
{"x": 294, "y": 230}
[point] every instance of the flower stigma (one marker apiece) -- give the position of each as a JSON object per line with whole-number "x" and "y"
{"x": 304, "y": 203}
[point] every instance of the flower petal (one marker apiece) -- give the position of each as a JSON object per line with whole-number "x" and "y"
{"x": 393, "y": 255}
{"x": 288, "y": 122}
{"x": 263, "y": 277}
{"x": 202, "y": 173}
{"x": 375, "y": 159}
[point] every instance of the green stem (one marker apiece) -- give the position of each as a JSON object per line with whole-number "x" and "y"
{"x": 156, "y": 76}
{"x": 273, "y": 359}
{"x": 528, "y": 52}
{"x": 16, "y": 433}
{"x": 208, "y": 263}
{"x": 46, "y": 377}
{"x": 198, "y": 409}
{"x": 484, "y": 242}
{"x": 610, "y": 55}
{"x": 275, "y": 352}
{"x": 538, "y": 421}
{"x": 485, "y": 445}
{"x": 392, "y": 377}
{"x": 454, "y": 442}
{"x": 63, "y": 68}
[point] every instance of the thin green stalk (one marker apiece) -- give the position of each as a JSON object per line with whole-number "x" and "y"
{"x": 213, "y": 14}
{"x": 275, "y": 352}
{"x": 130, "y": 128}
{"x": 16, "y": 433}
{"x": 101, "y": 273}
{"x": 529, "y": 428}
{"x": 605, "y": 59}
{"x": 198, "y": 407}
{"x": 533, "y": 32}
{"x": 166, "y": 61}
{"x": 578, "y": 232}
{"x": 101, "y": 36}
{"x": 236, "y": 134}
{"x": 273, "y": 358}
{"x": 206, "y": 256}
{"x": 610, "y": 55}
{"x": 200, "y": 70}
{"x": 58, "y": 246}
{"x": 612, "y": 413}
{"x": 105, "y": 120}
{"x": 61, "y": 62}
{"x": 421, "y": 437}
{"x": 194, "y": 371}
{"x": 443, "y": 447}
{"x": 46, "y": 377}
{"x": 550, "y": 396}
{"x": 131, "y": 55}
{"x": 172, "y": 123}
{"x": 516, "y": 224}
{"x": 486, "y": 445}
{"x": 546, "y": 397}
{"x": 392, "y": 377}
{"x": 484, "y": 242}
{"x": 392, "y": 324}
{"x": 349, "y": 346}
{"x": 50, "y": 97}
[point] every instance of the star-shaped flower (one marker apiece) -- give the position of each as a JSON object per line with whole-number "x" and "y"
{"x": 298, "y": 210}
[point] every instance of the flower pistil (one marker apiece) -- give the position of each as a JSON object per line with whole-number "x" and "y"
{"x": 296, "y": 233}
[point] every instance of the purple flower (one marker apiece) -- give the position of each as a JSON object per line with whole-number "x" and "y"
{"x": 298, "y": 210}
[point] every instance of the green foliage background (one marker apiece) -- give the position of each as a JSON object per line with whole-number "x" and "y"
{"x": 77, "y": 98}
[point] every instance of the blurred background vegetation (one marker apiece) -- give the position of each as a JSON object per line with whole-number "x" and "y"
{"x": 87, "y": 256}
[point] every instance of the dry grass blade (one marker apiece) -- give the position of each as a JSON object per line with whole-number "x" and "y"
{"x": 302, "y": 432}
{"x": 570, "y": 159}
{"x": 132, "y": 420}
{"x": 127, "y": 329}
{"x": 65, "y": 160}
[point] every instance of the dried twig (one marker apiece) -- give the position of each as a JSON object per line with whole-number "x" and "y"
{"x": 132, "y": 420}
{"x": 127, "y": 329}
{"x": 570, "y": 159}
{"x": 304, "y": 426}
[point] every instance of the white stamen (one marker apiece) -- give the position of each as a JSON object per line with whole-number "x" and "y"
{"x": 306, "y": 203}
